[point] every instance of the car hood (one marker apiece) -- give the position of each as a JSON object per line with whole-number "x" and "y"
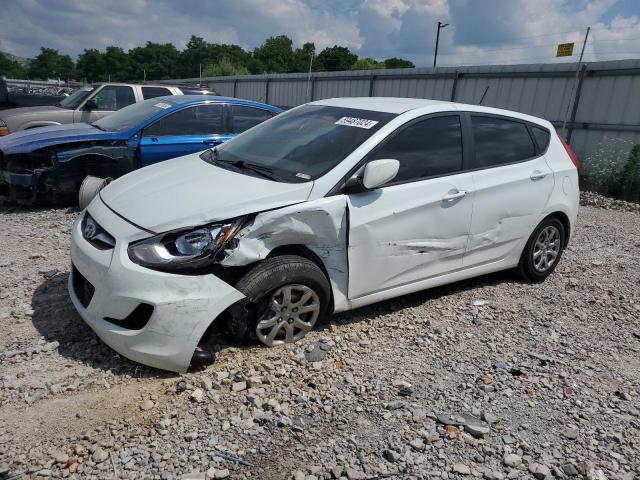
{"x": 30, "y": 111}
{"x": 29, "y": 140}
{"x": 188, "y": 191}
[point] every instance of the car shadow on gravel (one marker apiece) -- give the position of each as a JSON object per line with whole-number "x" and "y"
{"x": 56, "y": 320}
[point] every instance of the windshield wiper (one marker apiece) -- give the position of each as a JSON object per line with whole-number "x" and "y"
{"x": 266, "y": 172}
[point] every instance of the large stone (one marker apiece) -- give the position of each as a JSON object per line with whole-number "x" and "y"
{"x": 512, "y": 460}
{"x": 461, "y": 468}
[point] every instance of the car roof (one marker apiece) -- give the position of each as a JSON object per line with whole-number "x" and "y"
{"x": 402, "y": 105}
{"x": 381, "y": 104}
{"x": 182, "y": 99}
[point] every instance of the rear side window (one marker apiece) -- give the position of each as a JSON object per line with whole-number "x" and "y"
{"x": 542, "y": 138}
{"x": 246, "y": 117}
{"x": 499, "y": 141}
{"x": 198, "y": 120}
{"x": 153, "y": 92}
{"x": 427, "y": 148}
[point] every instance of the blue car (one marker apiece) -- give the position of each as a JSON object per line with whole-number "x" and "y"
{"x": 50, "y": 163}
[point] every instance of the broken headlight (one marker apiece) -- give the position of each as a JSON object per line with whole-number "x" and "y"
{"x": 184, "y": 249}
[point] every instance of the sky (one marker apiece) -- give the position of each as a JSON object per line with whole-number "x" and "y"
{"x": 480, "y": 32}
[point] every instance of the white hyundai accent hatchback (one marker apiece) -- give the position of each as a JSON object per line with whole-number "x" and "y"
{"x": 330, "y": 206}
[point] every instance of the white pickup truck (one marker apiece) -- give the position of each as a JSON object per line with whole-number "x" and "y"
{"x": 87, "y": 104}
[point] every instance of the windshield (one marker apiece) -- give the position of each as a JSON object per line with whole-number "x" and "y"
{"x": 304, "y": 143}
{"x": 76, "y": 98}
{"x": 128, "y": 117}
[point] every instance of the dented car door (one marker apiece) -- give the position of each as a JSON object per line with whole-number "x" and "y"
{"x": 512, "y": 184}
{"x": 417, "y": 226}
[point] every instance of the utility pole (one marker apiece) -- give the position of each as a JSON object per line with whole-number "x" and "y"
{"x": 200, "y": 84}
{"x": 144, "y": 75}
{"x": 435, "y": 55}
{"x": 575, "y": 82}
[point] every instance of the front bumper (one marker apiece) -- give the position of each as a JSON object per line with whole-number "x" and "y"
{"x": 183, "y": 306}
{"x": 18, "y": 186}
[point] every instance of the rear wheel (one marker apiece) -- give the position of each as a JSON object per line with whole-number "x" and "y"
{"x": 543, "y": 250}
{"x": 285, "y": 297}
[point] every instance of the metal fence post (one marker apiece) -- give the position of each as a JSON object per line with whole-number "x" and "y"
{"x": 576, "y": 100}
{"x": 266, "y": 91}
{"x": 454, "y": 86}
{"x": 313, "y": 86}
{"x": 371, "y": 80}
{"x": 235, "y": 86}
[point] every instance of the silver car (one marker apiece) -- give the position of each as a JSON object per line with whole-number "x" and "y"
{"x": 87, "y": 104}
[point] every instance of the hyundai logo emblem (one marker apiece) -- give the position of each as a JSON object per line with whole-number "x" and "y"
{"x": 89, "y": 230}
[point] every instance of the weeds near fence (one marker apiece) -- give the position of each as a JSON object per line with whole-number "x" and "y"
{"x": 609, "y": 171}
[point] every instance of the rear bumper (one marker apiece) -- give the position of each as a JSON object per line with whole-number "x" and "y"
{"x": 183, "y": 306}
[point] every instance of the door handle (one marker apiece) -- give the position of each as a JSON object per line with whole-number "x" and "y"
{"x": 537, "y": 175}
{"x": 453, "y": 195}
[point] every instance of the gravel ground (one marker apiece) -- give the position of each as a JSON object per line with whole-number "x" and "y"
{"x": 490, "y": 378}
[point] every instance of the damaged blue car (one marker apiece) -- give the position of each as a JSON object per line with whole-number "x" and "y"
{"x": 50, "y": 163}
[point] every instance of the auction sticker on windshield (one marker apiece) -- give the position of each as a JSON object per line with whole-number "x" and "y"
{"x": 357, "y": 122}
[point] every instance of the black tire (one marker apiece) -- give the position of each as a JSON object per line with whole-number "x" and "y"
{"x": 261, "y": 281}
{"x": 527, "y": 268}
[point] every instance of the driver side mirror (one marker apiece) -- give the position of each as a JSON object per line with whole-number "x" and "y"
{"x": 378, "y": 172}
{"x": 375, "y": 174}
{"x": 90, "y": 105}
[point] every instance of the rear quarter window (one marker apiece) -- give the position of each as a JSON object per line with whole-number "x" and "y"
{"x": 542, "y": 138}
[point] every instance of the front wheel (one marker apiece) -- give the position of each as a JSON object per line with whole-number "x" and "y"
{"x": 543, "y": 250}
{"x": 284, "y": 298}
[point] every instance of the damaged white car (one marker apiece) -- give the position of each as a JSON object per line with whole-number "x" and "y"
{"x": 330, "y": 206}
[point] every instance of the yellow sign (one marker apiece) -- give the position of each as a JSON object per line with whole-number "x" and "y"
{"x": 564, "y": 50}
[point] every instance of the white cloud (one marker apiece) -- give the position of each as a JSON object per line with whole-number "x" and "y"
{"x": 487, "y": 31}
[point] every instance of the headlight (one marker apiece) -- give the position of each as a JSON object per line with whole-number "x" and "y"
{"x": 182, "y": 249}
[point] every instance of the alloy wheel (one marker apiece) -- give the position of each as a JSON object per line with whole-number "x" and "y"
{"x": 288, "y": 314}
{"x": 546, "y": 248}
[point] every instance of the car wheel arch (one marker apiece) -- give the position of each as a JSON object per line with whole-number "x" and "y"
{"x": 566, "y": 223}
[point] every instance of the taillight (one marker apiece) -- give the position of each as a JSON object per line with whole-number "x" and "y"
{"x": 571, "y": 153}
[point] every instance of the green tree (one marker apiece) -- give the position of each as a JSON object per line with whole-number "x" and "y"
{"x": 51, "y": 64}
{"x": 11, "y": 68}
{"x": 156, "y": 61}
{"x": 335, "y": 58}
{"x": 367, "y": 64}
{"x": 117, "y": 64}
{"x": 192, "y": 56}
{"x": 90, "y": 65}
{"x": 302, "y": 57}
{"x": 224, "y": 67}
{"x": 398, "y": 63}
{"x": 275, "y": 55}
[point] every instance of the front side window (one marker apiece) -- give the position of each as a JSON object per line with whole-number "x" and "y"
{"x": 76, "y": 98}
{"x": 198, "y": 120}
{"x": 153, "y": 92}
{"x": 500, "y": 141}
{"x": 246, "y": 117}
{"x": 303, "y": 143}
{"x": 114, "y": 97}
{"x": 427, "y": 148}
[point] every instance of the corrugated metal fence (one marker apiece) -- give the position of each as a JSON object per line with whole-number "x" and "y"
{"x": 603, "y": 99}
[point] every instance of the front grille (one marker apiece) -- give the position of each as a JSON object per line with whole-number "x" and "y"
{"x": 82, "y": 287}
{"x": 96, "y": 235}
